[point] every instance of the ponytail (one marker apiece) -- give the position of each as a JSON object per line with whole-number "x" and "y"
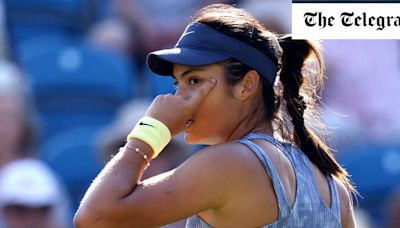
{"x": 292, "y": 77}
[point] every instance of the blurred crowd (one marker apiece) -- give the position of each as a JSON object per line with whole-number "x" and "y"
{"x": 73, "y": 82}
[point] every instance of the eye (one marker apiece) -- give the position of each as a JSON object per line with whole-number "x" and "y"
{"x": 194, "y": 81}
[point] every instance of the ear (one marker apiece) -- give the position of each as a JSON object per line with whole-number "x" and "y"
{"x": 248, "y": 87}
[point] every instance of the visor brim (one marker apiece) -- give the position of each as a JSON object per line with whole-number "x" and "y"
{"x": 161, "y": 62}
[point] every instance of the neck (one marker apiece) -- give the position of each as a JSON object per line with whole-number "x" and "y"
{"x": 251, "y": 120}
{"x": 251, "y": 125}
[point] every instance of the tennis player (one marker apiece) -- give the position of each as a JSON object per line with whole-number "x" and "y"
{"x": 249, "y": 94}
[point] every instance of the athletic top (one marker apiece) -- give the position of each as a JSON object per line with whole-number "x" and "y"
{"x": 309, "y": 209}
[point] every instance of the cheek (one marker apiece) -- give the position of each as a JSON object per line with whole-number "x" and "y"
{"x": 213, "y": 120}
{"x": 214, "y": 107}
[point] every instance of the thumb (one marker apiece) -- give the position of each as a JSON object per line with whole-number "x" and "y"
{"x": 202, "y": 93}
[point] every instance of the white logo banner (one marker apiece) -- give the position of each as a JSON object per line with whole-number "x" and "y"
{"x": 346, "y": 20}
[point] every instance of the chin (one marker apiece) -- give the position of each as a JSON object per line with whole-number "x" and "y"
{"x": 193, "y": 139}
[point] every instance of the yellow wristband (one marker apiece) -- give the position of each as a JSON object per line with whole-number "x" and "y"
{"x": 153, "y": 132}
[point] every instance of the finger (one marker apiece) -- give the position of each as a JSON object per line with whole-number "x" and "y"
{"x": 203, "y": 91}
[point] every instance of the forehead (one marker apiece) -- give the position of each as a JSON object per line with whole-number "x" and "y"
{"x": 180, "y": 71}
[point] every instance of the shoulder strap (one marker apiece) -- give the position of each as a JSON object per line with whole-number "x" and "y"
{"x": 280, "y": 192}
{"x": 270, "y": 139}
{"x": 264, "y": 136}
{"x": 335, "y": 200}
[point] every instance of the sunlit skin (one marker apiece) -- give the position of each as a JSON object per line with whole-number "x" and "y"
{"x": 220, "y": 182}
{"x": 220, "y": 114}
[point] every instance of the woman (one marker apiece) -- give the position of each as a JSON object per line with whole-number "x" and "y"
{"x": 237, "y": 85}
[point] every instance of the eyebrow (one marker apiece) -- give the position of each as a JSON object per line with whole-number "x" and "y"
{"x": 188, "y": 71}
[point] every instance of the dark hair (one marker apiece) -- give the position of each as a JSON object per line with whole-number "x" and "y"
{"x": 291, "y": 104}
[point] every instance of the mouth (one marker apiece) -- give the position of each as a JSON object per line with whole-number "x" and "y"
{"x": 189, "y": 123}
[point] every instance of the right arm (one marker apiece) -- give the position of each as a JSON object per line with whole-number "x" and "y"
{"x": 346, "y": 206}
{"x": 208, "y": 180}
{"x": 117, "y": 198}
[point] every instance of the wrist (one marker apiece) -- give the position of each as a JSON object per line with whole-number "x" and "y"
{"x": 141, "y": 148}
{"x": 152, "y": 132}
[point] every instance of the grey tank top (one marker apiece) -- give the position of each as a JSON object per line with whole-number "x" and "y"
{"x": 309, "y": 210}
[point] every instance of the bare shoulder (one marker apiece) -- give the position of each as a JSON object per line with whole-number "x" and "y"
{"x": 346, "y": 205}
{"x": 231, "y": 158}
{"x": 228, "y": 152}
{"x": 227, "y": 164}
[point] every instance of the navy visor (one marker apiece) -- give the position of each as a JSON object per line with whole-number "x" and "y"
{"x": 201, "y": 45}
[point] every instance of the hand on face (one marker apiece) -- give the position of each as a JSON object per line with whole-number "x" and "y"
{"x": 175, "y": 111}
